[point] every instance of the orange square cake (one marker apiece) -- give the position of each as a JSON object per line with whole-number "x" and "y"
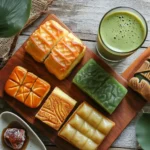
{"x": 44, "y": 39}
{"x": 26, "y": 87}
{"x": 65, "y": 56}
{"x": 56, "y": 109}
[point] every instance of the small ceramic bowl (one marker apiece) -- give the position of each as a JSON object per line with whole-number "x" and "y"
{"x": 34, "y": 142}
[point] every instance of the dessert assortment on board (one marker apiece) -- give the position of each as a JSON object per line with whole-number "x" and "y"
{"x": 60, "y": 51}
{"x": 99, "y": 85}
{"x": 86, "y": 128}
{"x": 56, "y": 109}
{"x": 141, "y": 80}
{"x": 26, "y": 87}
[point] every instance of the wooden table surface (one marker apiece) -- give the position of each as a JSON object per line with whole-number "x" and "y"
{"x": 82, "y": 17}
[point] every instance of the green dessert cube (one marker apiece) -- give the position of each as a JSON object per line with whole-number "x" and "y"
{"x": 100, "y": 86}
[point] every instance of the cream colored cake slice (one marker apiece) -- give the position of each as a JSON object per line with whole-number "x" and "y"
{"x": 44, "y": 39}
{"x": 89, "y": 128}
{"x": 56, "y": 109}
{"x": 65, "y": 56}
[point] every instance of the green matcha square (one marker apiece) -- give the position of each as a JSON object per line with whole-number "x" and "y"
{"x": 100, "y": 86}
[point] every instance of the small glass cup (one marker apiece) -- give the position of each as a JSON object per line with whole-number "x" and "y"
{"x": 106, "y": 52}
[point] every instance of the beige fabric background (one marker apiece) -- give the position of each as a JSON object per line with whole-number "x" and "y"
{"x": 7, "y": 44}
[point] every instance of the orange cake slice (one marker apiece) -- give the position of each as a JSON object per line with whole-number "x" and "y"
{"x": 56, "y": 108}
{"x": 11, "y": 87}
{"x": 22, "y": 93}
{"x": 33, "y": 100}
{"x": 65, "y": 56}
{"x": 18, "y": 74}
{"x": 44, "y": 39}
{"x": 41, "y": 87}
{"x": 29, "y": 80}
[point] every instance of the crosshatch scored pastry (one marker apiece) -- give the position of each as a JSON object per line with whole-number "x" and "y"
{"x": 44, "y": 39}
{"x": 100, "y": 85}
{"x": 26, "y": 87}
{"x": 65, "y": 56}
{"x": 141, "y": 80}
{"x": 86, "y": 128}
{"x": 56, "y": 109}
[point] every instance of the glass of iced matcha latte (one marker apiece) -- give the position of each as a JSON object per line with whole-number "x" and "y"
{"x": 121, "y": 32}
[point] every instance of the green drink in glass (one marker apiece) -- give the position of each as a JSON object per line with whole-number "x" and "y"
{"x": 121, "y": 32}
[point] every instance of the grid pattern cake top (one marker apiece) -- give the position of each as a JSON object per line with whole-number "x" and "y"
{"x": 26, "y": 87}
{"x": 44, "y": 39}
{"x": 86, "y": 128}
{"x": 56, "y": 108}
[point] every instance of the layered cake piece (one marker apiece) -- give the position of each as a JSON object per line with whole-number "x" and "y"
{"x": 44, "y": 39}
{"x": 56, "y": 109}
{"x": 26, "y": 87}
{"x": 65, "y": 56}
{"x": 86, "y": 128}
{"x": 100, "y": 86}
{"x": 141, "y": 80}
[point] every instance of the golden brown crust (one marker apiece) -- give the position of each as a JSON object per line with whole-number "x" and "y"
{"x": 22, "y": 93}
{"x": 18, "y": 74}
{"x": 11, "y": 87}
{"x": 26, "y": 87}
{"x": 65, "y": 55}
{"x": 33, "y": 100}
{"x": 142, "y": 87}
{"x": 56, "y": 108}
{"x": 41, "y": 87}
{"x": 29, "y": 80}
{"x": 44, "y": 39}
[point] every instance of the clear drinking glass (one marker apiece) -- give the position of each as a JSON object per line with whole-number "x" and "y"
{"x": 107, "y": 51}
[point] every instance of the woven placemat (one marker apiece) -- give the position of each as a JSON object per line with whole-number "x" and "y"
{"x": 7, "y": 45}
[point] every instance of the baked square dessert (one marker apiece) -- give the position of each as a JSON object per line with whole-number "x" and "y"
{"x": 44, "y": 39}
{"x": 65, "y": 56}
{"x": 15, "y": 80}
{"x": 26, "y": 87}
{"x": 56, "y": 109}
{"x": 141, "y": 80}
{"x": 86, "y": 128}
{"x": 100, "y": 86}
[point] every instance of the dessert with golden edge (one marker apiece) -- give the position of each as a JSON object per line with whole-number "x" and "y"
{"x": 44, "y": 39}
{"x": 64, "y": 56}
{"x": 26, "y": 87}
{"x": 56, "y": 109}
{"x": 141, "y": 80}
{"x": 58, "y": 49}
{"x": 86, "y": 128}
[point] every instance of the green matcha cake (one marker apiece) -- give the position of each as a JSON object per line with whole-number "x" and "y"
{"x": 100, "y": 86}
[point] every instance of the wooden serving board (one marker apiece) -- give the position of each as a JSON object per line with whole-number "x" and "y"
{"x": 122, "y": 116}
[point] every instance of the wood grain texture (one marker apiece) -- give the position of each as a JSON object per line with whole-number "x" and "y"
{"x": 126, "y": 110}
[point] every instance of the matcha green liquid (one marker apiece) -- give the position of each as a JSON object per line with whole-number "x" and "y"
{"x": 120, "y": 34}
